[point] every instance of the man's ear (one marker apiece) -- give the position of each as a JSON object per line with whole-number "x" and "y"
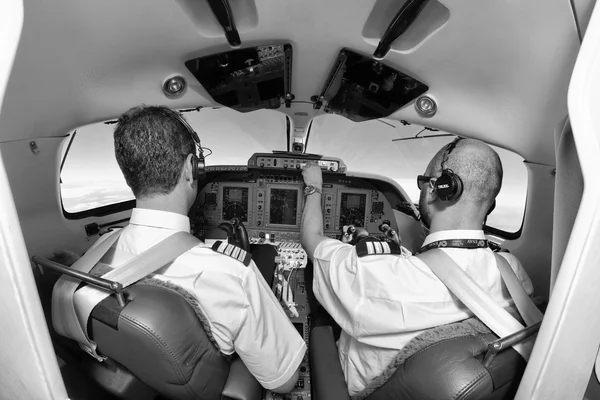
{"x": 188, "y": 173}
{"x": 432, "y": 193}
{"x": 492, "y": 207}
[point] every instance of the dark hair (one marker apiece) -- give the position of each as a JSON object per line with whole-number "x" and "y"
{"x": 151, "y": 146}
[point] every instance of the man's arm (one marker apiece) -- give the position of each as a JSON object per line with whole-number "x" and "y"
{"x": 289, "y": 385}
{"x": 311, "y": 236}
{"x": 311, "y": 227}
{"x": 266, "y": 340}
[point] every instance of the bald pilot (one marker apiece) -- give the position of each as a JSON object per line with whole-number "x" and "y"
{"x": 381, "y": 302}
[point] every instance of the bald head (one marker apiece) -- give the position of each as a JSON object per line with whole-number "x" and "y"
{"x": 479, "y": 168}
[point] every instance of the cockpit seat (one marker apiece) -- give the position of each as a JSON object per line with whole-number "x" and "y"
{"x": 443, "y": 363}
{"x": 162, "y": 339}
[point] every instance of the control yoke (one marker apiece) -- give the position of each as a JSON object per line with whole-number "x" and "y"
{"x": 236, "y": 233}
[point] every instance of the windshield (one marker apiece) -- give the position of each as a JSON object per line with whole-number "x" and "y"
{"x": 91, "y": 177}
{"x": 367, "y": 147}
{"x": 233, "y": 136}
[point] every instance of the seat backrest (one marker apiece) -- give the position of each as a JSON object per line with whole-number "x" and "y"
{"x": 449, "y": 370}
{"x": 160, "y": 337}
{"x": 447, "y": 363}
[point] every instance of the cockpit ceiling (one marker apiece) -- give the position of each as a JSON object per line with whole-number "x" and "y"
{"x": 499, "y": 70}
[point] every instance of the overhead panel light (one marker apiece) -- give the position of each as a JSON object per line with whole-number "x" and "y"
{"x": 174, "y": 86}
{"x": 426, "y": 106}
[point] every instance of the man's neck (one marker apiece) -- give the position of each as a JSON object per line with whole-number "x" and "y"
{"x": 174, "y": 204}
{"x": 450, "y": 224}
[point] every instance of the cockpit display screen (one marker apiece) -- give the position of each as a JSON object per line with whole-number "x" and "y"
{"x": 353, "y": 209}
{"x": 353, "y": 200}
{"x": 283, "y": 206}
{"x": 235, "y": 203}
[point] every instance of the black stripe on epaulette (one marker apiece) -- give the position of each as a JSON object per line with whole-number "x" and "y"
{"x": 375, "y": 247}
{"x": 232, "y": 251}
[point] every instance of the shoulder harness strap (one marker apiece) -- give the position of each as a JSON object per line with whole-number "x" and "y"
{"x": 232, "y": 251}
{"x": 375, "y": 247}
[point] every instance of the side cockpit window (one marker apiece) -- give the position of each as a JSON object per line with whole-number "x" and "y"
{"x": 90, "y": 176}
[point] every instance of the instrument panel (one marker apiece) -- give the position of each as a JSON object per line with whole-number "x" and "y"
{"x": 269, "y": 201}
{"x": 270, "y": 205}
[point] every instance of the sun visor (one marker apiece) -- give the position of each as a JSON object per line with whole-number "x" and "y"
{"x": 247, "y": 79}
{"x": 361, "y": 88}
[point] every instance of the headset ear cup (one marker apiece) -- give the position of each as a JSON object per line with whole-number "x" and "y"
{"x": 458, "y": 184}
{"x": 194, "y": 162}
{"x": 448, "y": 186}
{"x": 200, "y": 167}
{"x": 444, "y": 186}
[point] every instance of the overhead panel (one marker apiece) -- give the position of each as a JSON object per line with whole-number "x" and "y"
{"x": 247, "y": 79}
{"x": 361, "y": 88}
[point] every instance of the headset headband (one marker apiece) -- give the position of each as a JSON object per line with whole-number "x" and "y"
{"x": 193, "y": 135}
{"x": 451, "y": 146}
{"x": 198, "y": 158}
{"x": 449, "y": 185}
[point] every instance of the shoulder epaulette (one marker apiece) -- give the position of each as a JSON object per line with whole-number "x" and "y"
{"x": 370, "y": 248}
{"x": 232, "y": 251}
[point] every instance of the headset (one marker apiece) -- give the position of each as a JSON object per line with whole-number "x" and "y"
{"x": 198, "y": 166}
{"x": 448, "y": 186}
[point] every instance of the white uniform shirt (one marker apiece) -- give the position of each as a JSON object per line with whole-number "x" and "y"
{"x": 244, "y": 315}
{"x": 381, "y": 302}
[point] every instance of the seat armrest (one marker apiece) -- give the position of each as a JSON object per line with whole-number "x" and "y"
{"x": 327, "y": 377}
{"x": 241, "y": 384}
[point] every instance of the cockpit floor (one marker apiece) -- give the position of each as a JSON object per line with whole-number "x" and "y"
{"x": 80, "y": 386}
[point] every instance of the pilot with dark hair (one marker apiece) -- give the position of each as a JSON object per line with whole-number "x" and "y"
{"x": 155, "y": 151}
{"x": 382, "y": 301}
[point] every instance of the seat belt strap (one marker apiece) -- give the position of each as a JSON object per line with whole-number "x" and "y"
{"x": 151, "y": 260}
{"x": 474, "y": 298}
{"x": 528, "y": 310}
{"x": 64, "y": 316}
